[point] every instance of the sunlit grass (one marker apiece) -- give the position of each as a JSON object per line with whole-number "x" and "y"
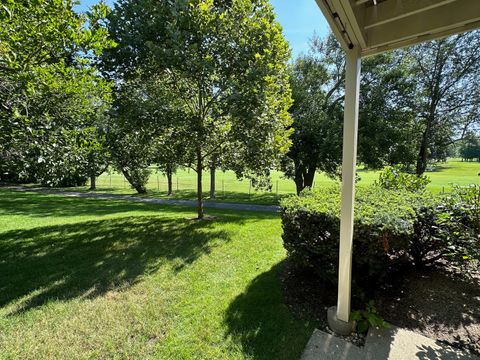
{"x": 87, "y": 278}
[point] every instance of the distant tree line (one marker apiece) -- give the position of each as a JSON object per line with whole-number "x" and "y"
{"x": 470, "y": 148}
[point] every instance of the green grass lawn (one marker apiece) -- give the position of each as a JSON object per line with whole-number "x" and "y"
{"x": 230, "y": 189}
{"x": 98, "y": 279}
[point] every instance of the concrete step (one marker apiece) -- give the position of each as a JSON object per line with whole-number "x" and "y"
{"x": 323, "y": 346}
{"x": 392, "y": 343}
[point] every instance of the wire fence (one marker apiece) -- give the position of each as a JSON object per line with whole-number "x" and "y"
{"x": 184, "y": 182}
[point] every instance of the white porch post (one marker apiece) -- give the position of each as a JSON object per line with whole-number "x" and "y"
{"x": 350, "y": 132}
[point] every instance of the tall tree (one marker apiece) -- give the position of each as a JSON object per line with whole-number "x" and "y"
{"x": 169, "y": 155}
{"x": 317, "y": 90}
{"x": 225, "y": 61}
{"x": 49, "y": 88}
{"x": 447, "y": 73}
{"x": 96, "y": 152}
{"x": 387, "y": 128}
{"x": 133, "y": 133}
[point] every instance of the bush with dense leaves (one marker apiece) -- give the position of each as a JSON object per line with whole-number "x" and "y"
{"x": 450, "y": 230}
{"x": 390, "y": 228}
{"x": 395, "y": 178}
{"x": 384, "y": 224}
{"x": 461, "y": 220}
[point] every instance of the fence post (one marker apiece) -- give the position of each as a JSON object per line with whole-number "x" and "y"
{"x": 249, "y": 188}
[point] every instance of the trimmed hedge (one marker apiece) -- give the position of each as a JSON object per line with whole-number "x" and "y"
{"x": 385, "y": 226}
{"x": 461, "y": 218}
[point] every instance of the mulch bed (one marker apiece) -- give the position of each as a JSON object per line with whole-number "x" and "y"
{"x": 309, "y": 298}
{"x": 440, "y": 302}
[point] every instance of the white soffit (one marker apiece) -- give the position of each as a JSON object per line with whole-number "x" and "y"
{"x": 379, "y": 25}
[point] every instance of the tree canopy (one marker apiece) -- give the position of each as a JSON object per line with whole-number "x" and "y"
{"x": 225, "y": 61}
{"x": 446, "y": 73}
{"x": 50, "y": 91}
{"x": 317, "y": 88}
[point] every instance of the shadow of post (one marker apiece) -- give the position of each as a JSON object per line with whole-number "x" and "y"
{"x": 260, "y": 321}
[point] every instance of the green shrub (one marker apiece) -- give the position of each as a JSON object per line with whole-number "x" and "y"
{"x": 394, "y": 178}
{"x": 368, "y": 318}
{"x": 384, "y": 225}
{"x": 461, "y": 223}
{"x": 390, "y": 228}
{"x": 427, "y": 243}
{"x": 60, "y": 169}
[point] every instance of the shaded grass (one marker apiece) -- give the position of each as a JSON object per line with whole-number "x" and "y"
{"x": 229, "y": 189}
{"x": 89, "y": 278}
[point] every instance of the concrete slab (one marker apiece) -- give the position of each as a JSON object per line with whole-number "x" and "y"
{"x": 395, "y": 343}
{"x": 323, "y": 346}
{"x": 382, "y": 344}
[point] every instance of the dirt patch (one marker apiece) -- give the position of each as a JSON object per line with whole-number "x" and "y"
{"x": 309, "y": 298}
{"x": 438, "y": 302}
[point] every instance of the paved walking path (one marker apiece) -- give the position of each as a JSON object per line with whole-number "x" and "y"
{"x": 381, "y": 344}
{"x": 95, "y": 195}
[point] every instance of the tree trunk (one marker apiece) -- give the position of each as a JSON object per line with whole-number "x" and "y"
{"x": 308, "y": 177}
{"x": 138, "y": 187}
{"x": 304, "y": 177}
{"x": 423, "y": 152}
{"x": 93, "y": 182}
{"x": 298, "y": 179}
{"x": 199, "y": 185}
{"x": 299, "y": 185}
{"x": 212, "y": 180}
{"x": 169, "y": 180}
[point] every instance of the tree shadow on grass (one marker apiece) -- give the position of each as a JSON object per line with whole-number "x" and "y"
{"x": 258, "y": 198}
{"x": 87, "y": 259}
{"x": 260, "y": 321}
{"x": 41, "y": 205}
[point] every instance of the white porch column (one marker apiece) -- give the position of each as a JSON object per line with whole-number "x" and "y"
{"x": 349, "y": 162}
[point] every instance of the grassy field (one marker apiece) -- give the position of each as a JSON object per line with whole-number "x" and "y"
{"x": 232, "y": 190}
{"x": 97, "y": 279}
{"x": 89, "y": 278}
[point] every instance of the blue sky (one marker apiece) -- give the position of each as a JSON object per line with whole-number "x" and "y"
{"x": 299, "y": 19}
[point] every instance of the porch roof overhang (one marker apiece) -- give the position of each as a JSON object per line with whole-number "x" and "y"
{"x": 376, "y": 26}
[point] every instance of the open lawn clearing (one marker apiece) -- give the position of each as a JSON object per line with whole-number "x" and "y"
{"x": 89, "y": 278}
